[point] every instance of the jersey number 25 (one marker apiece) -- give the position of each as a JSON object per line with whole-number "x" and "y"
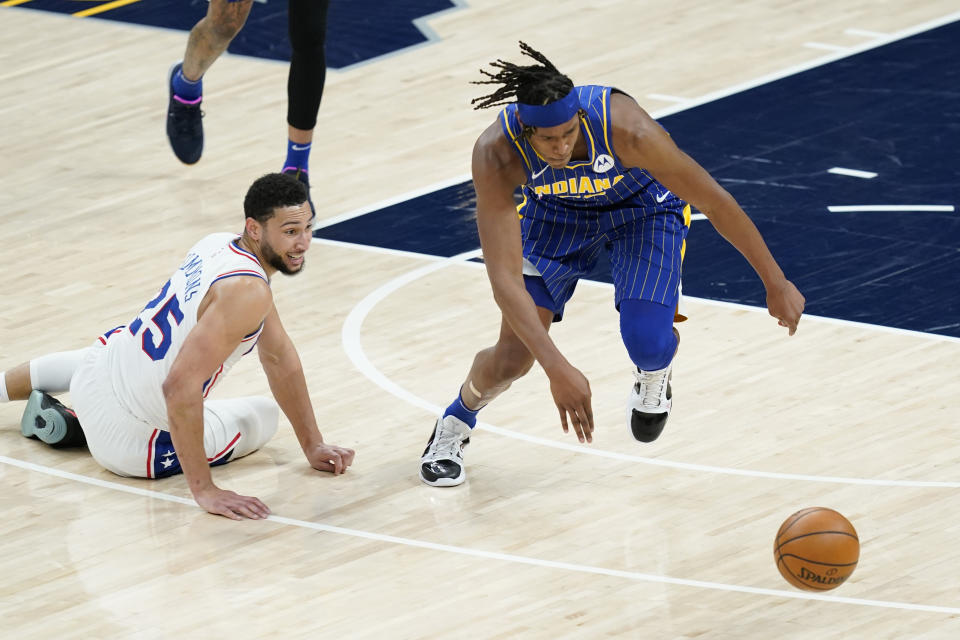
{"x": 154, "y": 348}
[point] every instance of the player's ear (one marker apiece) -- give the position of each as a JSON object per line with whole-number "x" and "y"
{"x": 525, "y": 130}
{"x": 253, "y": 229}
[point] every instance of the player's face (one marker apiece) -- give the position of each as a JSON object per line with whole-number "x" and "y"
{"x": 286, "y": 238}
{"x": 555, "y": 144}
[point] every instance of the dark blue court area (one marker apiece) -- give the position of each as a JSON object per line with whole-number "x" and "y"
{"x": 893, "y": 111}
{"x": 357, "y": 30}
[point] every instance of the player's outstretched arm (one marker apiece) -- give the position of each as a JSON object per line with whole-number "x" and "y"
{"x": 284, "y": 371}
{"x": 232, "y": 309}
{"x": 496, "y": 173}
{"x": 641, "y": 142}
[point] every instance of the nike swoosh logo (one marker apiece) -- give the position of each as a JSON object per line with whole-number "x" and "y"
{"x": 663, "y": 196}
{"x": 296, "y": 148}
{"x": 538, "y": 173}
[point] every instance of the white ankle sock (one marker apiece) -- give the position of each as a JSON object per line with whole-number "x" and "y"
{"x": 3, "y": 387}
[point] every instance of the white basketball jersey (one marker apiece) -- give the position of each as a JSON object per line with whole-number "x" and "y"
{"x": 140, "y": 355}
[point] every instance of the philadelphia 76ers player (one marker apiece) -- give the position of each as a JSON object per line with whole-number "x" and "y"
{"x": 140, "y": 392}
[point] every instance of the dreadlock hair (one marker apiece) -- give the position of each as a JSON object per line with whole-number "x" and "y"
{"x": 537, "y": 84}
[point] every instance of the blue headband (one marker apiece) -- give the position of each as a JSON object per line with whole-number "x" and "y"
{"x": 550, "y": 115}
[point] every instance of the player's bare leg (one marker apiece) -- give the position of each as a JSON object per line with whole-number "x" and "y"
{"x": 494, "y": 369}
{"x": 208, "y": 39}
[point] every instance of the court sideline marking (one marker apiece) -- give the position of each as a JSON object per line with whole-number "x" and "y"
{"x": 635, "y": 576}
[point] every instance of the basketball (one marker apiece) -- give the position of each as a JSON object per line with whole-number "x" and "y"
{"x": 816, "y": 549}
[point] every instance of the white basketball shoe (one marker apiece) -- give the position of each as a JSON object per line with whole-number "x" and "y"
{"x": 649, "y": 404}
{"x": 441, "y": 464}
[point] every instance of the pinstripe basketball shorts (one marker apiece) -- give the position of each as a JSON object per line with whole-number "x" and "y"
{"x": 645, "y": 250}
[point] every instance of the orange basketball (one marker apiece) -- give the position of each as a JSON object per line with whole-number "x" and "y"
{"x": 816, "y": 549}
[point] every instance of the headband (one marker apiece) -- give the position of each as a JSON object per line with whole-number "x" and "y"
{"x": 550, "y": 115}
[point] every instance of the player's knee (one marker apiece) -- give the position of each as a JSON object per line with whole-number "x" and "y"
{"x": 648, "y": 350}
{"x": 227, "y": 29}
{"x": 647, "y": 331}
{"x": 260, "y": 424}
{"x": 513, "y": 363}
{"x": 225, "y": 25}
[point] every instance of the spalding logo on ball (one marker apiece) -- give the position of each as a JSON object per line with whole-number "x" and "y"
{"x": 816, "y": 549}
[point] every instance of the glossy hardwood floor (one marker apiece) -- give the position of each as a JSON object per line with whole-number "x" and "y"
{"x": 548, "y": 538}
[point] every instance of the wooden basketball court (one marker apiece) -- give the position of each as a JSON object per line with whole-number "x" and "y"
{"x": 548, "y": 538}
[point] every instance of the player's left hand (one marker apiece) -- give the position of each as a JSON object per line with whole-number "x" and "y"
{"x": 330, "y": 457}
{"x": 785, "y": 303}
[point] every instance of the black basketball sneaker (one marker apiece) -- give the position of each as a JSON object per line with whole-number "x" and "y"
{"x": 184, "y": 123}
{"x": 649, "y": 404}
{"x": 47, "y": 419}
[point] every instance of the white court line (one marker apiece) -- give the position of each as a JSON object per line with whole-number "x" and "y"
{"x": 492, "y": 555}
{"x": 826, "y": 320}
{"x": 375, "y": 249}
{"x": 667, "y": 98}
{"x": 855, "y": 173}
{"x": 467, "y": 262}
{"x": 891, "y": 207}
{"x": 350, "y": 338}
{"x": 789, "y": 71}
{"x": 350, "y": 334}
{"x": 823, "y": 46}
{"x": 865, "y": 33}
{"x": 410, "y": 195}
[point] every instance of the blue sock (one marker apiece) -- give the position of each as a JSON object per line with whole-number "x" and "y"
{"x": 298, "y": 156}
{"x": 187, "y": 90}
{"x": 460, "y": 411}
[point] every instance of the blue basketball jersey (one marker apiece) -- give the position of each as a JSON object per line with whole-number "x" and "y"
{"x": 598, "y": 182}
{"x": 570, "y": 215}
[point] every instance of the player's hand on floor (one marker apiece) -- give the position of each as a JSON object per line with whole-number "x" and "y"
{"x": 231, "y": 505}
{"x": 786, "y": 304}
{"x": 571, "y": 394}
{"x": 330, "y": 457}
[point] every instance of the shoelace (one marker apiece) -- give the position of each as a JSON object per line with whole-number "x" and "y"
{"x": 652, "y": 386}
{"x": 184, "y": 121}
{"x": 447, "y": 443}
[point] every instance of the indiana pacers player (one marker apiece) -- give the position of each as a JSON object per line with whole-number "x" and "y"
{"x": 597, "y": 174}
